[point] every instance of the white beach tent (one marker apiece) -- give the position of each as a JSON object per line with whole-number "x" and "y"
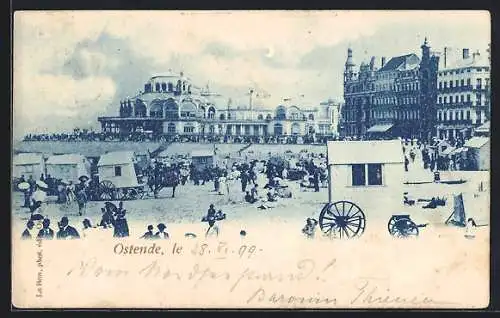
{"x": 118, "y": 167}
{"x": 28, "y": 164}
{"x": 368, "y": 173}
{"x": 68, "y": 167}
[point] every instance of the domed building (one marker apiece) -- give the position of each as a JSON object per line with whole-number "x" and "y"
{"x": 172, "y": 105}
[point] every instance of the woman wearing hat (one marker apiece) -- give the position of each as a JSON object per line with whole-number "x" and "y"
{"x": 161, "y": 234}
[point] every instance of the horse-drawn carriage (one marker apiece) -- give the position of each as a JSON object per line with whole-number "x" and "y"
{"x": 365, "y": 180}
{"x": 118, "y": 177}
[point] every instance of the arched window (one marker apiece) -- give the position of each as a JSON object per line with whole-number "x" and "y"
{"x": 211, "y": 129}
{"x": 202, "y": 112}
{"x": 311, "y": 117}
{"x": 157, "y": 87}
{"x": 171, "y": 109}
{"x": 281, "y": 113}
{"x": 163, "y": 87}
{"x": 140, "y": 108}
{"x": 311, "y": 129}
{"x": 260, "y": 117}
{"x": 188, "y": 110}
{"x": 440, "y": 116}
{"x": 222, "y": 117}
{"x": 211, "y": 112}
{"x": 184, "y": 86}
{"x": 269, "y": 117}
{"x": 156, "y": 109}
{"x": 170, "y": 87}
{"x": 278, "y": 129}
{"x": 295, "y": 129}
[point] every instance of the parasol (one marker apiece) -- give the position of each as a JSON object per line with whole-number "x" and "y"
{"x": 23, "y": 186}
{"x": 41, "y": 184}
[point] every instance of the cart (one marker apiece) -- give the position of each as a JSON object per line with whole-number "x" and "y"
{"x": 117, "y": 177}
{"x": 365, "y": 187}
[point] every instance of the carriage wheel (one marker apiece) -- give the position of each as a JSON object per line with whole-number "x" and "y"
{"x": 133, "y": 194}
{"x": 403, "y": 228}
{"x": 121, "y": 194}
{"x": 106, "y": 190}
{"x": 342, "y": 219}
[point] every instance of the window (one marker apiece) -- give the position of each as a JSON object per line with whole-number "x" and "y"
{"x": 468, "y": 97}
{"x": 445, "y": 84}
{"x": 358, "y": 175}
{"x": 118, "y": 171}
{"x": 374, "y": 174}
{"x": 468, "y": 81}
{"x": 456, "y": 83}
{"x": 445, "y": 99}
{"x": 468, "y": 115}
{"x": 440, "y": 85}
{"x": 451, "y": 84}
{"x": 440, "y": 100}
{"x": 462, "y": 82}
{"x": 462, "y": 98}
{"x": 188, "y": 129}
{"x": 171, "y": 128}
{"x": 157, "y": 86}
{"x": 478, "y": 83}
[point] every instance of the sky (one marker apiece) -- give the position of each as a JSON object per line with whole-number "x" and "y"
{"x": 71, "y": 66}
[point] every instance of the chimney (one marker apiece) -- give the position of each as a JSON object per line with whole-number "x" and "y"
{"x": 383, "y": 61}
{"x": 476, "y": 54}
{"x": 445, "y": 55}
{"x": 465, "y": 53}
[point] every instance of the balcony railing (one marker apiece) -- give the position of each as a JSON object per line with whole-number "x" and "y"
{"x": 455, "y": 89}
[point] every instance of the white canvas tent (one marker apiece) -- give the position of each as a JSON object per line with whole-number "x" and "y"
{"x": 118, "y": 167}
{"x": 28, "y": 164}
{"x": 68, "y": 167}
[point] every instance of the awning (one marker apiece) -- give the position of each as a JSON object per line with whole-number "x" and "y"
{"x": 459, "y": 150}
{"x": 380, "y": 128}
{"x": 448, "y": 151}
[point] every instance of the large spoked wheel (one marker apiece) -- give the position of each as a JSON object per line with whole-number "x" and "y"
{"x": 342, "y": 219}
{"x": 402, "y": 228}
{"x": 132, "y": 194}
{"x": 121, "y": 194}
{"x": 106, "y": 190}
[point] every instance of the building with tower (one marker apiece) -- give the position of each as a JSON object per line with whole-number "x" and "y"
{"x": 393, "y": 99}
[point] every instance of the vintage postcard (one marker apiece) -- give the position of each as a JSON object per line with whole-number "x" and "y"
{"x": 251, "y": 159}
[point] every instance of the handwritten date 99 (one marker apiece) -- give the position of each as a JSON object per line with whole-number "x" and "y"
{"x": 223, "y": 250}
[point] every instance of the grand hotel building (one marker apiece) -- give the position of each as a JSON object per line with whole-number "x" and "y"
{"x": 171, "y": 105}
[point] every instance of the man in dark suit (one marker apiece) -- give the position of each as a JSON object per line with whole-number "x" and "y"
{"x": 66, "y": 231}
{"x": 46, "y": 233}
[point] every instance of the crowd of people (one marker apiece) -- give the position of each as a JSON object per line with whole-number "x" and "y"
{"x": 86, "y": 135}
